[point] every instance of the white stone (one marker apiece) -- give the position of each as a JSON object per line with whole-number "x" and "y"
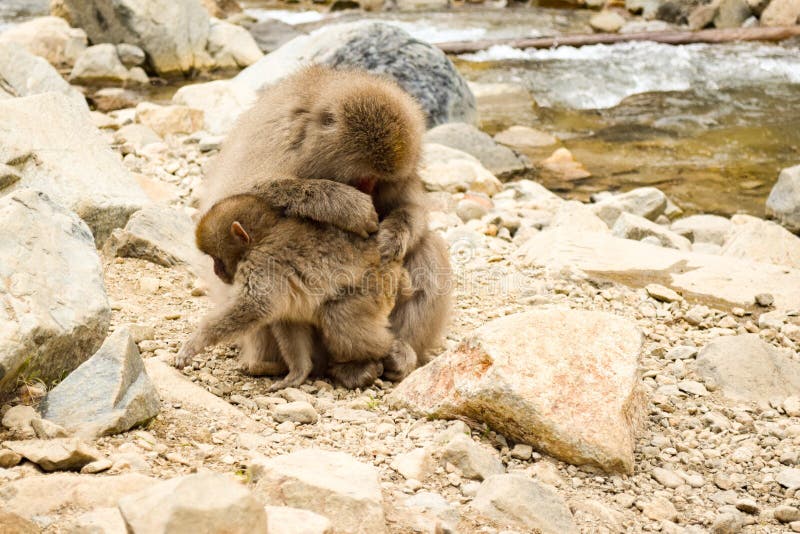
{"x": 286, "y": 520}
{"x": 232, "y": 46}
{"x": 710, "y": 229}
{"x": 220, "y": 101}
{"x": 48, "y": 37}
{"x": 452, "y": 170}
{"x": 764, "y": 241}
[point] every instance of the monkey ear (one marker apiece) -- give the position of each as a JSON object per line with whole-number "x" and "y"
{"x": 238, "y": 231}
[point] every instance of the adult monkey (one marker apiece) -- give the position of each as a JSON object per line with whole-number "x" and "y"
{"x": 337, "y": 146}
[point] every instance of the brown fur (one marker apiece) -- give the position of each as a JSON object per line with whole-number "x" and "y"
{"x": 293, "y": 275}
{"x": 307, "y": 145}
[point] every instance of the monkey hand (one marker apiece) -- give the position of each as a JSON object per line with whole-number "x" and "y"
{"x": 391, "y": 245}
{"x": 188, "y": 351}
{"x": 361, "y": 218}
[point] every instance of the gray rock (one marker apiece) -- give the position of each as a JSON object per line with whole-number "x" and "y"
{"x": 727, "y": 523}
{"x": 748, "y": 369}
{"x": 731, "y": 13}
{"x": 703, "y": 228}
{"x": 130, "y": 55}
{"x": 173, "y": 33}
{"x": 272, "y": 34}
{"x": 60, "y": 454}
{"x": 203, "y": 502}
{"x": 69, "y": 160}
{"x": 447, "y": 169}
{"x": 107, "y": 394}
{"x": 232, "y": 46}
{"x": 134, "y": 137}
{"x": 433, "y": 504}
{"x": 647, "y": 202}
{"x": 287, "y": 520}
{"x": 783, "y": 203}
{"x": 522, "y": 500}
{"x": 763, "y": 241}
{"x": 45, "y": 429}
{"x": 99, "y": 64}
{"x": 297, "y": 412}
{"x": 158, "y": 234}
{"x": 48, "y": 37}
{"x": 56, "y": 312}
{"x": 631, "y": 226}
{"x": 420, "y": 68}
{"x": 473, "y": 460}
{"x": 498, "y": 159}
{"x": 24, "y": 74}
{"x": 789, "y": 478}
{"x": 332, "y": 484}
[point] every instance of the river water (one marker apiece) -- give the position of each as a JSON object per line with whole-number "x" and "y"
{"x": 711, "y": 125}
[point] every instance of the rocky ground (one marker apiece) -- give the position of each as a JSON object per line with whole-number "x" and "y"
{"x": 677, "y": 406}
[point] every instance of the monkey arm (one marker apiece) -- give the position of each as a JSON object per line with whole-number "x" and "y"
{"x": 324, "y": 201}
{"x": 403, "y": 226}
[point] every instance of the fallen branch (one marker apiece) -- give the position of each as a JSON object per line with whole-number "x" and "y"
{"x": 666, "y": 37}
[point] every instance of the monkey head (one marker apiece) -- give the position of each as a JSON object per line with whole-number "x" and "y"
{"x": 361, "y": 129}
{"x": 228, "y": 230}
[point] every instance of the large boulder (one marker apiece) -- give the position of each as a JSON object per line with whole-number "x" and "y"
{"x": 500, "y": 160}
{"x": 54, "y": 310}
{"x": 332, "y": 484}
{"x": 760, "y": 240}
{"x": 569, "y": 386}
{"x": 420, "y": 68}
{"x": 452, "y": 170}
{"x": 703, "y": 228}
{"x": 781, "y": 13}
{"x": 221, "y": 101}
{"x": 174, "y": 33}
{"x": 748, "y": 369}
{"x": 783, "y": 203}
{"x": 232, "y": 46}
{"x": 48, "y": 37}
{"x": 109, "y": 393}
{"x": 24, "y": 74}
{"x": 54, "y": 146}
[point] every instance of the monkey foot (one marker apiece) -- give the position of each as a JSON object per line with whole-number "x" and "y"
{"x": 263, "y": 368}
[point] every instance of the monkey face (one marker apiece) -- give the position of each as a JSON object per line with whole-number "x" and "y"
{"x": 221, "y": 271}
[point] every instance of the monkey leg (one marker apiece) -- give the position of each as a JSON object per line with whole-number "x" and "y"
{"x": 260, "y": 354}
{"x": 352, "y": 375}
{"x": 399, "y": 362}
{"x": 420, "y": 319}
{"x": 297, "y": 347}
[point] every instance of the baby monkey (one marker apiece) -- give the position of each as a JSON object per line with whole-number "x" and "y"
{"x": 297, "y": 276}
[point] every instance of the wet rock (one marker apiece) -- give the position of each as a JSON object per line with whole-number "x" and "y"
{"x": 525, "y": 387}
{"x": 781, "y": 13}
{"x": 158, "y": 234}
{"x": 521, "y": 500}
{"x": 113, "y": 98}
{"x": 703, "y": 228}
{"x": 174, "y": 40}
{"x": 9, "y": 458}
{"x": 232, "y": 46}
{"x": 647, "y": 202}
{"x": 448, "y": 169}
{"x": 745, "y": 368}
{"x": 25, "y": 74}
{"x": 286, "y": 520}
{"x": 77, "y": 170}
{"x": 272, "y": 34}
{"x": 783, "y": 203}
{"x": 499, "y": 160}
{"x": 56, "y": 312}
{"x": 332, "y": 484}
{"x": 220, "y": 101}
{"x": 474, "y": 461}
{"x": 631, "y": 226}
{"x": 99, "y": 64}
{"x": 60, "y": 454}
{"x": 763, "y": 241}
{"x": 107, "y": 394}
{"x": 130, "y": 55}
{"x": 297, "y": 412}
{"x": 48, "y": 37}
{"x": 524, "y": 137}
{"x": 206, "y": 502}
{"x": 14, "y": 524}
{"x": 420, "y": 68}
{"x": 607, "y": 22}
{"x": 500, "y": 104}
{"x": 166, "y": 120}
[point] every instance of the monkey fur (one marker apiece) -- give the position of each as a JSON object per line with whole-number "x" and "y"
{"x": 310, "y": 145}
{"x": 293, "y": 276}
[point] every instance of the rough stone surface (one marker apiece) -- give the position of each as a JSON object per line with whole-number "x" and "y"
{"x": 502, "y": 103}
{"x": 60, "y": 454}
{"x": 578, "y": 216}
{"x": 287, "y": 520}
{"x": 731, "y": 13}
{"x": 332, "y": 484}
{"x": 417, "y": 464}
{"x": 703, "y": 228}
{"x": 25, "y": 74}
{"x": 637, "y": 228}
{"x": 781, "y": 13}
{"x": 221, "y": 101}
{"x": 748, "y": 369}
{"x": 9, "y": 458}
{"x": 448, "y": 169}
{"x": 165, "y": 120}
{"x": 173, "y": 33}
{"x": 783, "y": 203}
{"x": 69, "y": 160}
{"x": 48, "y": 37}
{"x": 158, "y": 234}
{"x": 526, "y": 387}
{"x": 99, "y": 64}
{"x": 764, "y": 241}
{"x": 474, "y": 461}
{"x": 524, "y": 137}
{"x": 54, "y": 309}
{"x": 499, "y": 160}
{"x": 15, "y": 524}
{"x": 420, "y": 68}
{"x": 204, "y": 502}
{"x": 647, "y": 202}
{"x": 272, "y": 34}
{"x": 524, "y": 501}
{"x": 107, "y": 394}
{"x": 19, "y": 419}
{"x": 297, "y": 412}
{"x": 131, "y": 55}
{"x": 232, "y": 46}
{"x": 607, "y": 22}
